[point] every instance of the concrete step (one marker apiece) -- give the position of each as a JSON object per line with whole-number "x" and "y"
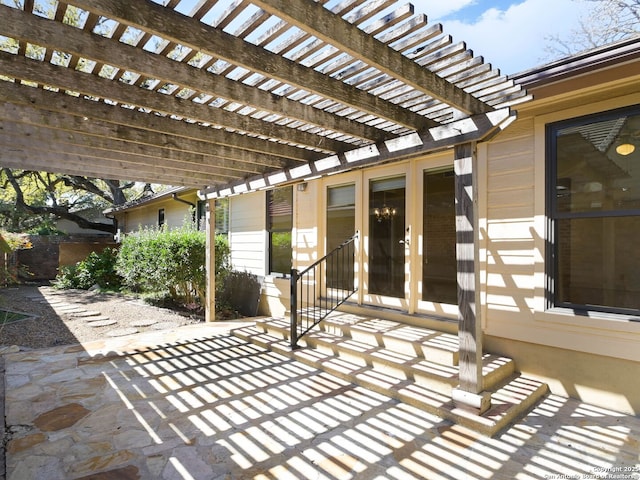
{"x": 437, "y": 346}
{"x": 411, "y": 365}
{"x": 407, "y": 376}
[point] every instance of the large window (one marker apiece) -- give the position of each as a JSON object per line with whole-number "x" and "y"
{"x": 279, "y": 225}
{"x": 439, "y": 270}
{"x": 594, "y": 210}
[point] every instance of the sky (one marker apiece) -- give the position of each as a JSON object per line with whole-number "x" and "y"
{"x": 509, "y": 34}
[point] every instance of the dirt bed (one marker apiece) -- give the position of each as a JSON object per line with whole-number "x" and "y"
{"x": 61, "y": 317}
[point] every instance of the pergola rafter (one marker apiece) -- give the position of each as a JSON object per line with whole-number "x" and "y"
{"x": 221, "y": 92}
{"x": 322, "y": 24}
{"x": 239, "y": 95}
{"x": 125, "y": 57}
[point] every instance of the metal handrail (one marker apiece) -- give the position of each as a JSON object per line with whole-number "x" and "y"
{"x": 308, "y": 306}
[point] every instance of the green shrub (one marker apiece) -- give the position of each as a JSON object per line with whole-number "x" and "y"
{"x": 96, "y": 269}
{"x": 239, "y": 292}
{"x": 162, "y": 260}
{"x": 66, "y": 278}
{"x": 223, "y": 256}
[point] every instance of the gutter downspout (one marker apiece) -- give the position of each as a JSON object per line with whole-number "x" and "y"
{"x": 192, "y": 205}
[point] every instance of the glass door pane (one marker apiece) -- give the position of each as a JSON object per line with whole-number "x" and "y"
{"x": 387, "y": 237}
{"x": 341, "y": 225}
{"x": 439, "y": 282}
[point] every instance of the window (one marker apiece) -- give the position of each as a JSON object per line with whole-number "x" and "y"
{"x": 279, "y": 226}
{"x": 222, "y": 216}
{"x": 160, "y": 217}
{"x": 201, "y": 215}
{"x": 341, "y": 225}
{"x": 439, "y": 271}
{"x": 594, "y": 212}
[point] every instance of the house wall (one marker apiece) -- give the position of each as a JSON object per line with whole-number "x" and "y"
{"x": 146, "y": 215}
{"x": 248, "y": 242}
{"x": 591, "y": 357}
{"x": 247, "y": 233}
{"x": 594, "y": 358}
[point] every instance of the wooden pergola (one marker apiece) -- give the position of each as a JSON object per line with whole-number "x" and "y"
{"x": 231, "y": 96}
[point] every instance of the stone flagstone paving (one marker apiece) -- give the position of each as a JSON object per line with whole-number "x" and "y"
{"x": 94, "y": 318}
{"x": 197, "y": 403}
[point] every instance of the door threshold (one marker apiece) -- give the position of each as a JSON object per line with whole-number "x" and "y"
{"x": 434, "y": 322}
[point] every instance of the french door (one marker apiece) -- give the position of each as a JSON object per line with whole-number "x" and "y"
{"x": 406, "y": 250}
{"x": 387, "y": 239}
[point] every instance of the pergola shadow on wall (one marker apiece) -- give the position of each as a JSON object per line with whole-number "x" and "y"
{"x": 231, "y": 96}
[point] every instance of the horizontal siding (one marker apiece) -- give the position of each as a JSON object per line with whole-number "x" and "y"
{"x": 519, "y": 128}
{"x": 516, "y": 230}
{"x": 512, "y": 148}
{"x": 516, "y": 197}
{"x": 517, "y": 212}
{"x": 497, "y": 282}
{"x": 511, "y": 180}
{"x": 510, "y": 246}
{"x": 306, "y": 225}
{"x": 512, "y": 300}
{"x": 247, "y": 236}
{"x": 520, "y": 162}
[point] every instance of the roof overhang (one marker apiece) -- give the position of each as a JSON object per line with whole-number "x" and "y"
{"x": 473, "y": 129}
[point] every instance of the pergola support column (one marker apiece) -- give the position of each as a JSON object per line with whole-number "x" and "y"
{"x": 469, "y": 393}
{"x": 210, "y": 261}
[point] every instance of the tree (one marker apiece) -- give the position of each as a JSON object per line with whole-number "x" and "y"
{"x": 606, "y": 22}
{"x": 29, "y": 199}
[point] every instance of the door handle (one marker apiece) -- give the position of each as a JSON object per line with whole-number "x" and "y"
{"x": 407, "y": 239}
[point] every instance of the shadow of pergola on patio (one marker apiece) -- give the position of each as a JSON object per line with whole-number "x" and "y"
{"x": 198, "y": 403}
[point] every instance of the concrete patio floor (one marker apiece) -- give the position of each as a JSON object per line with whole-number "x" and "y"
{"x": 198, "y": 403}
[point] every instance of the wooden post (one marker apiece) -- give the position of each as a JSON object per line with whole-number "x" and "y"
{"x": 469, "y": 394}
{"x": 210, "y": 261}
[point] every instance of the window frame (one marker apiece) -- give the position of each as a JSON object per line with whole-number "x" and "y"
{"x": 161, "y": 218}
{"x": 270, "y": 231}
{"x": 222, "y": 218}
{"x": 553, "y": 215}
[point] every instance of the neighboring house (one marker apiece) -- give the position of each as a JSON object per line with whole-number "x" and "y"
{"x": 93, "y": 215}
{"x": 42, "y": 262}
{"x": 172, "y": 207}
{"x": 558, "y": 216}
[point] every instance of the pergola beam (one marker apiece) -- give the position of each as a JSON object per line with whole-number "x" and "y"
{"x": 30, "y": 28}
{"x": 340, "y": 33}
{"x": 192, "y": 33}
{"x": 22, "y": 121}
{"x": 153, "y": 129}
{"x": 71, "y": 80}
{"x": 473, "y": 129}
{"x": 23, "y": 136}
{"x": 44, "y": 159}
